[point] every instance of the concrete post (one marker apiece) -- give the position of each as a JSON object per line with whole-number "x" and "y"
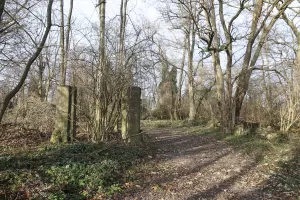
{"x": 131, "y": 116}
{"x": 65, "y": 122}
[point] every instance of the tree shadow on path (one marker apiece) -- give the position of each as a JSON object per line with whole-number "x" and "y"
{"x": 282, "y": 184}
{"x": 188, "y": 166}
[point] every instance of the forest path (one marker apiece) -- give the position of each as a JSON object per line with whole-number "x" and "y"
{"x": 190, "y": 165}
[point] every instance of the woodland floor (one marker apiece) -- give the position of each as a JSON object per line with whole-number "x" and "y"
{"x": 182, "y": 163}
{"x": 197, "y": 164}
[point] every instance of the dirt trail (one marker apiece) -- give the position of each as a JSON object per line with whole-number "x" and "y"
{"x": 194, "y": 166}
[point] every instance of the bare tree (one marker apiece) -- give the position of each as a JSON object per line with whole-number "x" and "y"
{"x": 290, "y": 113}
{"x": 250, "y": 58}
{"x": 180, "y": 82}
{"x": 101, "y": 103}
{"x": 32, "y": 59}
{"x": 191, "y": 45}
{"x": 218, "y": 39}
{"x": 68, "y": 34}
{"x": 185, "y": 16}
{"x": 64, "y": 40}
{"x": 62, "y": 45}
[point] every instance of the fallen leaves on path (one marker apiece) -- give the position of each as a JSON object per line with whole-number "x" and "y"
{"x": 195, "y": 166}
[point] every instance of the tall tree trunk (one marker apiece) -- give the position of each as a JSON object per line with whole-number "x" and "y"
{"x": 68, "y": 34}
{"x": 41, "y": 66}
{"x": 15, "y": 90}
{"x": 62, "y": 68}
{"x": 240, "y": 92}
{"x": 218, "y": 70}
{"x": 267, "y": 87}
{"x": 191, "y": 45}
{"x": 180, "y": 83}
{"x": 173, "y": 85}
{"x": 123, "y": 21}
{"x": 220, "y": 88}
{"x": 124, "y": 69}
{"x": 22, "y": 104}
{"x": 99, "y": 134}
{"x": 229, "y": 119}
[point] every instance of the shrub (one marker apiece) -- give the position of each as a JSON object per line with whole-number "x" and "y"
{"x": 34, "y": 114}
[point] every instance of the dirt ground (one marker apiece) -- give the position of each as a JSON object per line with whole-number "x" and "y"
{"x": 194, "y": 166}
{"x": 185, "y": 166}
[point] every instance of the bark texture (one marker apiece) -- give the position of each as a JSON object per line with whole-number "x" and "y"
{"x": 2, "y": 5}
{"x": 99, "y": 131}
{"x": 62, "y": 80}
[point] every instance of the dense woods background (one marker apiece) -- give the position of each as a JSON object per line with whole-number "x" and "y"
{"x": 217, "y": 61}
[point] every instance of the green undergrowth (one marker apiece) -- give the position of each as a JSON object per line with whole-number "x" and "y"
{"x": 280, "y": 157}
{"x": 287, "y": 178}
{"x": 257, "y": 145}
{"x": 78, "y": 171}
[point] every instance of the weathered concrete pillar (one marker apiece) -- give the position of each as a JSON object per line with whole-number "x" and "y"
{"x": 65, "y": 122}
{"x": 72, "y": 114}
{"x": 131, "y": 116}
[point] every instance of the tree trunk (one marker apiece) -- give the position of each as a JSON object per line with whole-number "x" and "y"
{"x": 68, "y": 33}
{"x": 123, "y": 21}
{"x": 178, "y": 99}
{"x": 173, "y": 85}
{"x": 229, "y": 119}
{"x": 62, "y": 68}
{"x": 290, "y": 114}
{"x": 41, "y": 68}
{"x": 99, "y": 134}
{"x": 191, "y": 45}
{"x": 123, "y": 69}
{"x": 2, "y": 4}
{"x": 218, "y": 71}
{"x": 243, "y": 82}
